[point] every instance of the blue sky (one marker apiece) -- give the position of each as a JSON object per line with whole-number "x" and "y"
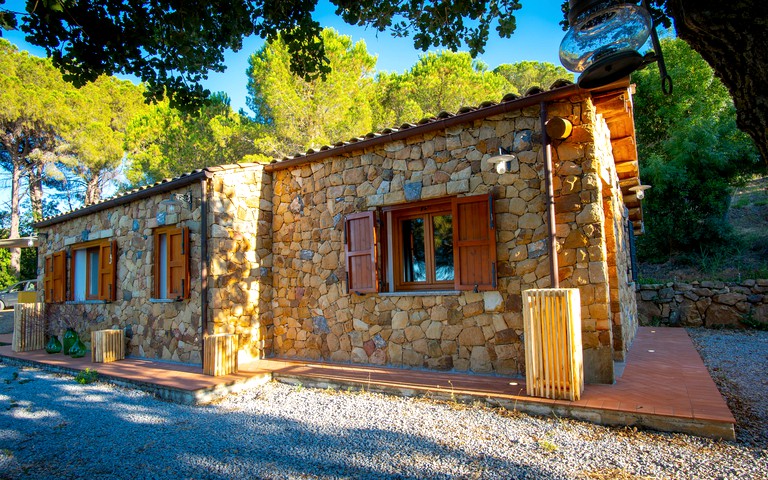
{"x": 537, "y": 37}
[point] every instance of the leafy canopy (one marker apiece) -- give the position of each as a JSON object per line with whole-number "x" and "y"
{"x": 299, "y": 113}
{"x": 164, "y": 142}
{"x": 172, "y": 45}
{"x": 527, "y": 74}
{"x": 691, "y": 153}
{"x": 442, "y": 81}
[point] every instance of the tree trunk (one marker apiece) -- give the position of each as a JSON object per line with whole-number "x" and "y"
{"x": 733, "y": 38}
{"x": 93, "y": 189}
{"x": 15, "y": 216}
{"x": 35, "y": 177}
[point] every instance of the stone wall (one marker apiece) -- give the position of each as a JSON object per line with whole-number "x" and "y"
{"x": 623, "y": 312}
{"x": 240, "y": 274}
{"x": 315, "y": 318}
{"x": 709, "y": 304}
{"x": 169, "y": 331}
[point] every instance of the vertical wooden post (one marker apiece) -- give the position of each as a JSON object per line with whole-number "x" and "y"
{"x": 107, "y": 346}
{"x": 554, "y": 366}
{"x": 220, "y": 354}
{"x": 28, "y": 327}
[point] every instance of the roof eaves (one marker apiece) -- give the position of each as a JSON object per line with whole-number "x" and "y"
{"x": 162, "y": 186}
{"x": 443, "y": 120}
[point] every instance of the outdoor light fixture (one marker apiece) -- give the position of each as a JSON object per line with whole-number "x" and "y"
{"x": 503, "y": 161}
{"x": 175, "y": 200}
{"x": 604, "y": 40}
{"x": 639, "y": 190}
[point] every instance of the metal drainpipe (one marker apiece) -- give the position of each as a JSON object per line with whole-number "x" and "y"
{"x": 553, "y": 267}
{"x": 203, "y": 263}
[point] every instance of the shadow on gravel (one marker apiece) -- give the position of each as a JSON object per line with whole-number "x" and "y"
{"x": 55, "y": 427}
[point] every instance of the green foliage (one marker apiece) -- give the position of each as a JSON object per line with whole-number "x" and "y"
{"x": 84, "y": 377}
{"x": 165, "y": 142}
{"x": 527, "y": 74}
{"x": 691, "y": 153}
{"x": 751, "y": 321}
{"x": 7, "y": 278}
{"x": 172, "y": 45}
{"x": 443, "y": 81}
{"x": 95, "y": 133}
{"x": 298, "y": 114}
{"x": 7, "y": 20}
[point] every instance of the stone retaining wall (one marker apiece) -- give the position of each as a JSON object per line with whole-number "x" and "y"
{"x": 708, "y": 304}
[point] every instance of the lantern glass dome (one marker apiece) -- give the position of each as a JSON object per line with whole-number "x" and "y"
{"x": 604, "y": 40}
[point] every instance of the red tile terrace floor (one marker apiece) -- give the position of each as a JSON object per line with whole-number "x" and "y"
{"x": 665, "y": 385}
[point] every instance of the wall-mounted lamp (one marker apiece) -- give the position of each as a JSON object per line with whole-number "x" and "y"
{"x": 604, "y": 40}
{"x": 639, "y": 190}
{"x": 503, "y": 161}
{"x": 175, "y": 201}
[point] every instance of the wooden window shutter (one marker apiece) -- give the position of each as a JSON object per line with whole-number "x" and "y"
{"x": 108, "y": 271}
{"x": 59, "y": 276}
{"x": 360, "y": 252}
{"x": 178, "y": 263}
{"x": 474, "y": 248}
{"x": 48, "y": 279}
{"x": 156, "y": 264}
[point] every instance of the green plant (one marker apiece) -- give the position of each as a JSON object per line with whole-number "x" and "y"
{"x": 749, "y": 320}
{"x": 648, "y": 280}
{"x": 548, "y": 446}
{"x": 86, "y": 376}
{"x": 299, "y": 387}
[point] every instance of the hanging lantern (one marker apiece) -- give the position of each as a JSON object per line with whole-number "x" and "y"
{"x": 604, "y": 40}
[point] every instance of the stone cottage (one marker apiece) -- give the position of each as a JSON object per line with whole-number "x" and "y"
{"x": 408, "y": 247}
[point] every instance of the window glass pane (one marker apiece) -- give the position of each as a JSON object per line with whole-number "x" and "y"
{"x": 442, "y": 227}
{"x": 162, "y": 250}
{"x": 414, "y": 261}
{"x": 80, "y": 269}
{"x": 93, "y": 272}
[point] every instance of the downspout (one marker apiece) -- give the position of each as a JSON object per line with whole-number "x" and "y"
{"x": 554, "y": 273}
{"x": 203, "y": 263}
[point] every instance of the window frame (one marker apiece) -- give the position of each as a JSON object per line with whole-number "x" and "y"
{"x": 474, "y": 245}
{"x": 174, "y": 264}
{"x": 427, "y": 211}
{"x": 105, "y": 253}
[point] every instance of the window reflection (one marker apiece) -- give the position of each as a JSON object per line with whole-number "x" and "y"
{"x": 442, "y": 227}
{"x": 414, "y": 256}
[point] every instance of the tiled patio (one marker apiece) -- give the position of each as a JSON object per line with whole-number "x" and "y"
{"x": 665, "y": 385}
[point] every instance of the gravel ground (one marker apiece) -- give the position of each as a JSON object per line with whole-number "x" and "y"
{"x": 52, "y": 427}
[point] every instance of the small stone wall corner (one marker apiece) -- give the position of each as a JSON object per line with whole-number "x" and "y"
{"x": 707, "y": 303}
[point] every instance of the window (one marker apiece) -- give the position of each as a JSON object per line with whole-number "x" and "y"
{"x": 446, "y": 244}
{"x": 55, "y": 283}
{"x": 93, "y": 272}
{"x": 422, "y": 240}
{"x": 171, "y": 263}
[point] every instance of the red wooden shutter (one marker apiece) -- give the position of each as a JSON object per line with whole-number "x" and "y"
{"x": 178, "y": 262}
{"x": 108, "y": 271}
{"x": 60, "y": 276}
{"x": 360, "y": 252}
{"x": 474, "y": 248}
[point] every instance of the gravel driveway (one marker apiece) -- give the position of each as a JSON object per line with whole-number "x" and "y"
{"x": 52, "y": 427}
